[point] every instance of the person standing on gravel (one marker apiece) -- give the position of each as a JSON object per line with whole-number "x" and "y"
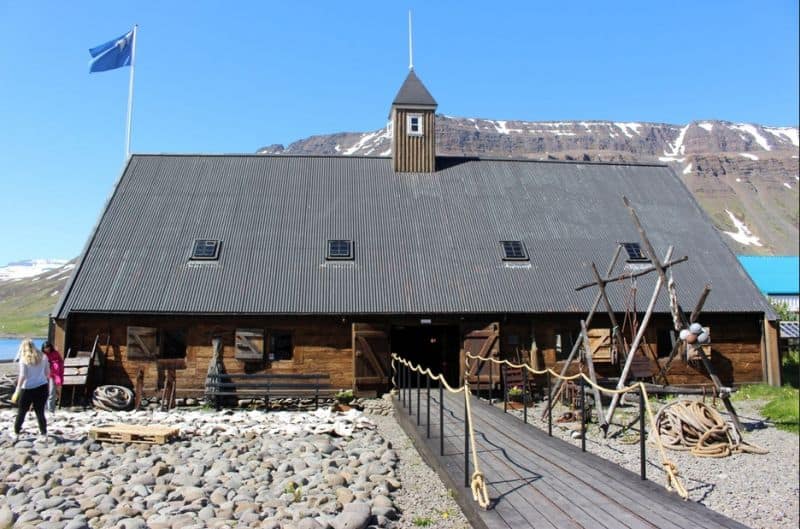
{"x": 32, "y": 385}
{"x": 56, "y": 375}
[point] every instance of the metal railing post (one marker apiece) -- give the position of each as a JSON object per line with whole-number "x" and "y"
{"x": 441, "y": 418}
{"x": 583, "y": 416}
{"x": 408, "y": 391}
{"x": 478, "y": 376}
{"x": 428, "y": 420}
{"x": 505, "y": 389}
{"x": 525, "y": 391}
{"x": 401, "y": 388}
{"x": 418, "y": 384}
{"x": 549, "y": 408}
{"x": 491, "y": 380}
{"x": 466, "y": 443}
{"x": 642, "y": 454}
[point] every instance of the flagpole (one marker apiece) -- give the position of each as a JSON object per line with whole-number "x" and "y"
{"x": 130, "y": 95}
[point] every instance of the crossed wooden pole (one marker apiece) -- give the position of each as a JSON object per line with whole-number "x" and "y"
{"x": 679, "y": 321}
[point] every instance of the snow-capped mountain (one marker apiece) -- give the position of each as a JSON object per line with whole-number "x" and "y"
{"x": 35, "y": 267}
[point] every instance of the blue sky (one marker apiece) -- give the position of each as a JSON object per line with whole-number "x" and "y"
{"x": 235, "y": 76}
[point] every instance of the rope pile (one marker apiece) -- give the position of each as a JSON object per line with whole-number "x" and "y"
{"x": 692, "y": 425}
{"x": 112, "y": 398}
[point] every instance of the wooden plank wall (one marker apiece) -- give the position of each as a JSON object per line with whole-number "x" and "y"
{"x": 735, "y": 349}
{"x": 324, "y": 344}
{"x": 320, "y": 345}
{"x": 413, "y": 154}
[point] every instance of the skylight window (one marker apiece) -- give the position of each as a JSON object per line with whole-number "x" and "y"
{"x": 514, "y": 251}
{"x": 340, "y": 250}
{"x": 635, "y": 252}
{"x": 205, "y": 250}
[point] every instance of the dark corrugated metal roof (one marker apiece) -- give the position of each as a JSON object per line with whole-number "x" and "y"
{"x": 425, "y": 243}
{"x": 413, "y": 92}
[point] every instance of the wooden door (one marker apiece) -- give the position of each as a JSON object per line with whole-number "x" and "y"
{"x": 481, "y": 341}
{"x": 372, "y": 362}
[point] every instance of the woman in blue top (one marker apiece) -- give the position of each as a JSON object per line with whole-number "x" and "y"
{"x": 32, "y": 384}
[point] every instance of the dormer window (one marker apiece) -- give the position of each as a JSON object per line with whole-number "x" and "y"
{"x": 414, "y": 125}
{"x": 514, "y": 251}
{"x": 340, "y": 250}
{"x": 205, "y": 250}
{"x": 634, "y": 251}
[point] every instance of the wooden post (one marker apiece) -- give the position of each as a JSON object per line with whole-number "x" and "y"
{"x": 590, "y": 363}
{"x": 771, "y": 353}
{"x": 615, "y": 331}
{"x": 637, "y": 339}
{"x": 589, "y": 317}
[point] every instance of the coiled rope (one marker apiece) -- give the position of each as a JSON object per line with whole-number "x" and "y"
{"x": 478, "y": 482}
{"x": 692, "y": 425}
{"x": 673, "y": 483}
{"x": 112, "y": 398}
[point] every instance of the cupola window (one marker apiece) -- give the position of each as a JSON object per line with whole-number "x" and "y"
{"x": 414, "y": 125}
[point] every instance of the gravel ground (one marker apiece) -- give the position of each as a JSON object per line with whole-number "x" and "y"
{"x": 760, "y": 491}
{"x": 424, "y": 500}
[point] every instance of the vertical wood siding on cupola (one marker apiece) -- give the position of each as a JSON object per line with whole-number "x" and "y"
{"x": 413, "y": 154}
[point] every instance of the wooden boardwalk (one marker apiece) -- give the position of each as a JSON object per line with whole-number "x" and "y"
{"x": 537, "y": 481}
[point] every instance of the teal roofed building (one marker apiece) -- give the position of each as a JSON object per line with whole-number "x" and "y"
{"x": 778, "y": 277}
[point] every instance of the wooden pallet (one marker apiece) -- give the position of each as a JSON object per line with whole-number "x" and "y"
{"x": 133, "y": 433}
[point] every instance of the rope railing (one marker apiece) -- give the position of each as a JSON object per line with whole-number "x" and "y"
{"x": 477, "y": 482}
{"x": 673, "y": 483}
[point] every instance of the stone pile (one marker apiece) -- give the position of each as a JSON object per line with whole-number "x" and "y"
{"x": 303, "y": 470}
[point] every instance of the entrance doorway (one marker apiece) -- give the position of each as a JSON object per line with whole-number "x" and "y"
{"x": 432, "y": 346}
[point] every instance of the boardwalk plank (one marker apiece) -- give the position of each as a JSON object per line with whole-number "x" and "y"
{"x": 652, "y": 496}
{"x": 545, "y": 482}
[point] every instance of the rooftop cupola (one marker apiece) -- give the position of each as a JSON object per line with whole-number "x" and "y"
{"x": 413, "y": 128}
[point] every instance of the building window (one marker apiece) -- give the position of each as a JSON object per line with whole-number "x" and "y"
{"x": 205, "y": 250}
{"x": 414, "y": 125}
{"x": 280, "y": 346}
{"x": 635, "y": 253}
{"x": 340, "y": 250}
{"x": 173, "y": 343}
{"x": 514, "y": 251}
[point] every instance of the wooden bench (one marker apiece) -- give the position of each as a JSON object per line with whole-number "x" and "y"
{"x": 267, "y": 386}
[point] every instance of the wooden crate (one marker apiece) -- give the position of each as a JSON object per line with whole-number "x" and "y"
{"x": 133, "y": 433}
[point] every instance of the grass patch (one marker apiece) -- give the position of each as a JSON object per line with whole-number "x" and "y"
{"x": 783, "y": 408}
{"x": 422, "y": 522}
{"x": 790, "y": 368}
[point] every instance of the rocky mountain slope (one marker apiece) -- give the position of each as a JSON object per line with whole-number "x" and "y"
{"x": 29, "y": 291}
{"x": 744, "y": 175}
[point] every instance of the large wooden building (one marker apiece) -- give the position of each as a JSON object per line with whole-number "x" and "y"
{"x": 329, "y": 263}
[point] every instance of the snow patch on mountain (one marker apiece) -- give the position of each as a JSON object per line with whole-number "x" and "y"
{"x": 32, "y": 268}
{"x": 748, "y": 155}
{"x": 742, "y": 235}
{"x": 678, "y": 147}
{"x": 790, "y": 133}
{"x": 753, "y": 131}
{"x": 705, "y": 125}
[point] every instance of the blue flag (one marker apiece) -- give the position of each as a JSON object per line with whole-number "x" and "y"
{"x": 113, "y": 54}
